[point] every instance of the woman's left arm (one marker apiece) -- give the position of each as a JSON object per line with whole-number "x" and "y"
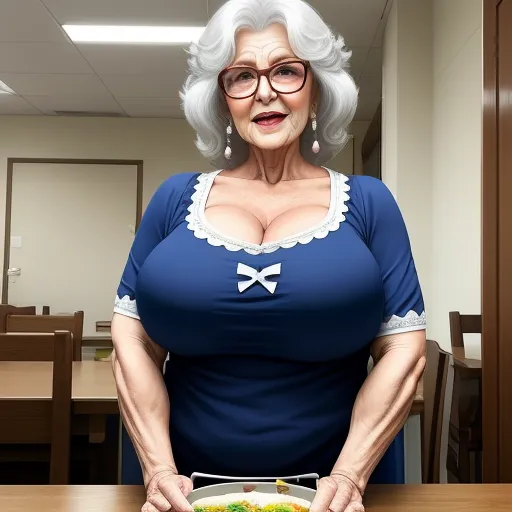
{"x": 380, "y": 411}
{"x": 383, "y": 404}
{"x": 399, "y": 351}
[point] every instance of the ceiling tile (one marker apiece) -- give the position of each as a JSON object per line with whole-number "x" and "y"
{"x": 152, "y": 107}
{"x": 373, "y": 64}
{"x": 28, "y": 20}
{"x": 54, "y": 84}
{"x": 136, "y": 59}
{"x": 357, "y": 61}
{"x": 379, "y": 36}
{"x": 357, "y": 21}
{"x": 213, "y": 6}
{"x": 140, "y": 86}
{"x": 370, "y": 87}
{"x": 11, "y": 104}
{"x": 122, "y": 12}
{"x": 367, "y": 107}
{"x": 41, "y": 58}
{"x": 75, "y": 102}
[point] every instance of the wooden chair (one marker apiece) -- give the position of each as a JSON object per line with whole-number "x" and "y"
{"x": 463, "y": 324}
{"x": 434, "y": 390}
{"x": 29, "y": 323}
{"x": 7, "y": 310}
{"x": 36, "y": 421}
{"x": 465, "y": 428}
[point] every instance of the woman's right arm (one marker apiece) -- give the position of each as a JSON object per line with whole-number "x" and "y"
{"x": 137, "y": 363}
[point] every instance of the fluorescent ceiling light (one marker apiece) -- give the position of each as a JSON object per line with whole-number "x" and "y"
{"x": 5, "y": 89}
{"x": 132, "y": 34}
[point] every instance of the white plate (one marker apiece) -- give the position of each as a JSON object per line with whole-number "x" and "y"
{"x": 237, "y": 487}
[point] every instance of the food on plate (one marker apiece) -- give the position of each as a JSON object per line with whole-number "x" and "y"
{"x": 251, "y": 502}
{"x": 282, "y": 487}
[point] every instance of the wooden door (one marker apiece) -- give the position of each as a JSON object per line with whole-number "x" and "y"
{"x": 497, "y": 242}
{"x": 71, "y": 226}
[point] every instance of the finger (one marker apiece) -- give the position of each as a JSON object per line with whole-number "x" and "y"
{"x": 324, "y": 495}
{"x": 342, "y": 498}
{"x": 147, "y": 507}
{"x": 174, "y": 495}
{"x": 158, "y": 501}
{"x": 355, "y": 506}
{"x": 186, "y": 486}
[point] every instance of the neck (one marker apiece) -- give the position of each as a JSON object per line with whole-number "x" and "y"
{"x": 273, "y": 166}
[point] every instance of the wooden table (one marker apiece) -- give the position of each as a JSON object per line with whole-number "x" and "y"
{"x": 439, "y": 497}
{"x": 97, "y": 341}
{"x": 94, "y": 390}
{"x": 93, "y": 395}
{"x": 459, "y": 358}
{"x": 386, "y": 498}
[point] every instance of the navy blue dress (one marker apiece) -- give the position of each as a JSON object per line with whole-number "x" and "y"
{"x": 268, "y": 344}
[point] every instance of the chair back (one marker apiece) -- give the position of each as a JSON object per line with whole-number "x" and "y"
{"x": 50, "y": 323}
{"x": 35, "y": 420}
{"x": 434, "y": 391}
{"x": 7, "y": 309}
{"x": 463, "y": 324}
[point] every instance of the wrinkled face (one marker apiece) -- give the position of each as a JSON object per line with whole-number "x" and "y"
{"x": 268, "y": 119}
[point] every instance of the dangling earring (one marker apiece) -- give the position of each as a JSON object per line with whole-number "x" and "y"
{"x": 229, "y": 131}
{"x": 316, "y": 146}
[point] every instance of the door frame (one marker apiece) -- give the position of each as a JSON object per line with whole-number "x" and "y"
{"x": 496, "y": 299}
{"x": 139, "y": 164}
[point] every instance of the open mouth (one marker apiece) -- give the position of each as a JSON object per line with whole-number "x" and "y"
{"x": 269, "y": 118}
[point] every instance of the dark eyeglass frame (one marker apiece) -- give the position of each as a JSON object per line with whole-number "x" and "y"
{"x": 266, "y": 73}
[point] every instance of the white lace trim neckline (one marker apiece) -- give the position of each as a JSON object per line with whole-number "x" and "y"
{"x": 199, "y": 225}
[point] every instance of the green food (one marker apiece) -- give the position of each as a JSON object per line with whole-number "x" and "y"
{"x": 237, "y": 507}
{"x": 244, "y": 506}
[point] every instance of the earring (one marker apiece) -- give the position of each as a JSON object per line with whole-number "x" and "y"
{"x": 229, "y": 131}
{"x": 316, "y": 146}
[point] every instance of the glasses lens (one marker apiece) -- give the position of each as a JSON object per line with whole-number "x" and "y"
{"x": 239, "y": 82}
{"x": 288, "y": 77}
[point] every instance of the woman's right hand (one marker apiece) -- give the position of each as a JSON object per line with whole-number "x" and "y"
{"x": 167, "y": 490}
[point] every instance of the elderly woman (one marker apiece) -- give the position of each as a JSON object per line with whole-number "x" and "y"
{"x": 269, "y": 283}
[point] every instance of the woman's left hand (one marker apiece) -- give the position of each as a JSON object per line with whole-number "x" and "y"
{"x": 337, "y": 493}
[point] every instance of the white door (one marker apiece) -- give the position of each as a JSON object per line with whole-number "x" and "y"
{"x": 72, "y": 226}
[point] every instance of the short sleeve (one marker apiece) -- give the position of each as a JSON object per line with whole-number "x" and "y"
{"x": 154, "y": 227}
{"x": 388, "y": 240}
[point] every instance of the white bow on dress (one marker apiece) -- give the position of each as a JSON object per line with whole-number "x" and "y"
{"x": 261, "y": 276}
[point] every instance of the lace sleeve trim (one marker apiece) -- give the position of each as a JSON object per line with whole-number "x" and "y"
{"x": 398, "y": 324}
{"x": 126, "y": 306}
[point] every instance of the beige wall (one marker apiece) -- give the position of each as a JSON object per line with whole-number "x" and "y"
{"x": 456, "y": 165}
{"x": 432, "y": 97}
{"x": 74, "y": 226}
{"x": 407, "y": 127}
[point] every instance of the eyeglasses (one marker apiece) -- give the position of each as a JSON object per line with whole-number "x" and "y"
{"x": 240, "y": 82}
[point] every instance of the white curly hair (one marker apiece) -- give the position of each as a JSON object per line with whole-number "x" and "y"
{"x": 310, "y": 39}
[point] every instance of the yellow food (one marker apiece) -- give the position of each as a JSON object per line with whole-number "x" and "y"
{"x": 282, "y": 487}
{"x": 244, "y": 506}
